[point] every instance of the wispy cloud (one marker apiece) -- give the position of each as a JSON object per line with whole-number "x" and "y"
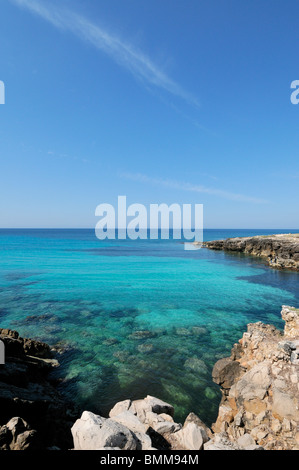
{"x": 123, "y": 53}
{"x": 184, "y": 186}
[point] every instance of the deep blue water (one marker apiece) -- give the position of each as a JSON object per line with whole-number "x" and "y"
{"x": 94, "y": 297}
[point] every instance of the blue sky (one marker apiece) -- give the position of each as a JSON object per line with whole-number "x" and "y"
{"x": 172, "y": 101}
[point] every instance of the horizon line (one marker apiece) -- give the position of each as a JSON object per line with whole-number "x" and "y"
{"x": 153, "y": 228}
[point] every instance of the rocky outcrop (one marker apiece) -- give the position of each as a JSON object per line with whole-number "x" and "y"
{"x": 33, "y": 414}
{"x": 135, "y": 426}
{"x": 280, "y": 251}
{"x": 259, "y": 409}
{"x": 145, "y": 424}
{"x": 18, "y": 435}
{"x": 260, "y": 401}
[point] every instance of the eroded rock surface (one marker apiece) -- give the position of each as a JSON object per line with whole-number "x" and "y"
{"x": 280, "y": 251}
{"x": 263, "y": 401}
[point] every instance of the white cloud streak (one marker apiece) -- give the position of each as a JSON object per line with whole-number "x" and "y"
{"x": 184, "y": 186}
{"x": 123, "y": 53}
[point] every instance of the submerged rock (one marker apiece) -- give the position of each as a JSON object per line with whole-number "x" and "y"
{"x": 142, "y": 334}
{"x": 199, "y": 330}
{"x": 110, "y": 341}
{"x": 146, "y": 348}
{"x": 195, "y": 364}
{"x": 183, "y": 332}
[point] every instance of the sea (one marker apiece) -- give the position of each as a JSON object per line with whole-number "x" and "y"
{"x": 137, "y": 317}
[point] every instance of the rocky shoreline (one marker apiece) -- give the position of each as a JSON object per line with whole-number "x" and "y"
{"x": 33, "y": 414}
{"x": 280, "y": 251}
{"x": 259, "y": 409}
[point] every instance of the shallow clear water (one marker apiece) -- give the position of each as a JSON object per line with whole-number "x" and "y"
{"x": 138, "y": 317}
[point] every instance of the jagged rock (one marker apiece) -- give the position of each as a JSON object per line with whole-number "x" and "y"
{"x": 120, "y": 407}
{"x": 192, "y": 437}
{"x": 131, "y": 421}
{"x": 291, "y": 317}
{"x": 193, "y": 418}
{"x": 28, "y": 440}
{"x": 280, "y": 251}
{"x": 246, "y": 441}
{"x": 140, "y": 408}
{"x": 159, "y": 406}
{"x": 165, "y": 426}
{"x": 145, "y": 440}
{"x": 16, "y": 346}
{"x": 17, "y": 426}
{"x": 220, "y": 441}
{"x": 37, "y": 348}
{"x": 225, "y": 372}
{"x": 92, "y": 432}
{"x": 262, "y": 403}
{"x": 285, "y": 405}
{"x": 17, "y": 435}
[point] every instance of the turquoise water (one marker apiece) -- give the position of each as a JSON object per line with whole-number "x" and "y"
{"x": 136, "y": 317}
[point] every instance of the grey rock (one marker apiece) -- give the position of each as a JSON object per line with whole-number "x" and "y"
{"x": 193, "y": 418}
{"x": 159, "y": 406}
{"x": 120, "y": 407}
{"x": 226, "y": 372}
{"x": 246, "y": 441}
{"x": 131, "y": 422}
{"x": 163, "y": 427}
{"x": 192, "y": 437}
{"x": 92, "y": 432}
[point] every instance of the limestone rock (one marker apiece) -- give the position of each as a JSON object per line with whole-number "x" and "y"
{"x": 291, "y": 317}
{"x": 225, "y": 372}
{"x": 120, "y": 407}
{"x": 17, "y": 435}
{"x": 221, "y": 441}
{"x": 280, "y": 250}
{"x": 262, "y": 402}
{"x": 159, "y": 406}
{"x": 130, "y": 421}
{"x": 246, "y": 441}
{"x": 193, "y": 418}
{"x": 92, "y": 432}
{"x": 192, "y": 437}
